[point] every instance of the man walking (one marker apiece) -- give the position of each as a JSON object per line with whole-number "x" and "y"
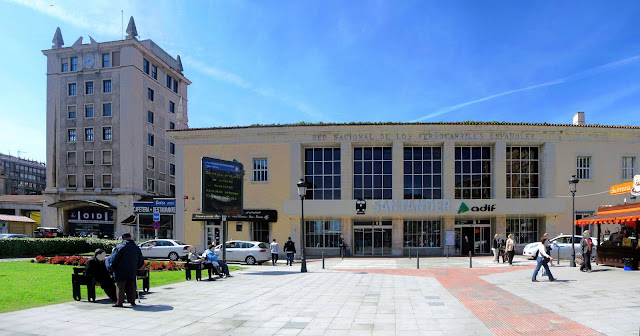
{"x": 274, "y": 252}
{"x": 290, "y": 250}
{"x": 125, "y": 260}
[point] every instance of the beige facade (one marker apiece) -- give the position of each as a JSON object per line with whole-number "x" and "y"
{"x": 108, "y": 108}
{"x": 397, "y": 220}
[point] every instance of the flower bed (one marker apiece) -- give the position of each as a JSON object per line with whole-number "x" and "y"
{"x": 79, "y": 261}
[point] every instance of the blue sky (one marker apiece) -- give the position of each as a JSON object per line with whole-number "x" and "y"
{"x": 341, "y": 61}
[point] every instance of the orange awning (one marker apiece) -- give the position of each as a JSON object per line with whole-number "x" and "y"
{"x": 627, "y": 214}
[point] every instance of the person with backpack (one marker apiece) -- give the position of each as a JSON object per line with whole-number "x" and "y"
{"x": 586, "y": 247}
{"x": 290, "y": 250}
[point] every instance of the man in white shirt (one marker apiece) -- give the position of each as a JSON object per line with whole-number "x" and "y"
{"x": 274, "y": 252}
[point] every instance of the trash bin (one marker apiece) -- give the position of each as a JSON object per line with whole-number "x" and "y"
{"x": 630, "y": 264}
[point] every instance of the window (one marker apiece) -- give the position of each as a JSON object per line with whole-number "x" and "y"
{"x": 628, "y": 167}
{"x": 71, "y": 111}
{"x": 172, "y": 125}
{"x": 169, "y": 81}
{"x": 106, "y": 133}
{"x": 106, "y": 109}
{"x": 106, "y": 158}
{"x": 88, "y": 134}
{"x": 150, "y": 162}
{"x": 150, "y": 139}
{"x": 88, "y": 158}
{"x": 145, "y": 66}
{"x": 74, "y": 63}
{"x": 523, "y": 177}
{"x": 150, "y": 117}
{"x": 580, "y": 215}
{"x": 422, "y": 173}
{"x": 172, "y": 190}
{"x": 88, "y": 181}
{"x": 154, "y": 71}
{"x": 172, "y": 107}
{"x": 372, "y": 173}
{"x": 71, "y": 135}
{"x": 473, "y": 172}
{"x": 172, "y": 148}
{"x": 583, "y": 167}
{"x": 149, "y": 94}
{"x": 422, "y": 233}
{"x": 106, "y": 60}
{"x": 260, "y": 170}
{"x": 72, "y": 181}
{"x": 106, "y": 86}
{"x": 72, "y": 89}
{"x": 151, "y": 185}
{"x": 175, "y": 86}
{"x": 238, "y": 226}
{"x": 322, "y": 233}
{"x": 322, "y": 173}
{"x": 88, "y": 88}
{"x": 116, "y": 58}
{"x": 88, "y": 111}
{"x": 71, "y": 159}
{"x": 64, "y": 65}
{"x": 525, "y": 230}
{"x": 106, "y": 181}
{"x": 172, "y": 169}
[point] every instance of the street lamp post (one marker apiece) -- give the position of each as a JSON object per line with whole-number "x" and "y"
{"x": 302, "y": 192}
{"x": 573, "y": 183}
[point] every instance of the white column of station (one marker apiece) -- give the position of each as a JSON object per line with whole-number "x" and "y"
{"x": 346, "y": 190}
{"x": 498, "y": 175}
{"x": 448, "y": 188}
{"x": 397, "y": 193}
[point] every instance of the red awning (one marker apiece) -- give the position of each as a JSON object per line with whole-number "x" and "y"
{"x": 627, "y": 214}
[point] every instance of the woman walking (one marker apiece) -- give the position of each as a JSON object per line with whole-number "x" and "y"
{"x": 496, "y": 248}
{"x": 511, "y": 248}
{"x": 543, "y": 260}
{"x": 586, "y": 246}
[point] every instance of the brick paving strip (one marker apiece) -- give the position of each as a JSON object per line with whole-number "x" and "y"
{"x": 502, "y": 312}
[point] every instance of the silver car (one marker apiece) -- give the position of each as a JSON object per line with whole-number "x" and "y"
{"x": 164, "y": 248}
{"x": 251, "y": 252}
{"x": 562, "y": 244}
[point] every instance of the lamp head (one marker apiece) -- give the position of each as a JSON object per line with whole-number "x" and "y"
{"x": 573, "y": 183}
{"x": 302, "y": 188}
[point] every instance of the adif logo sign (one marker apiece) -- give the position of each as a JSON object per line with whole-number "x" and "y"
{"x": 485, "y": 208}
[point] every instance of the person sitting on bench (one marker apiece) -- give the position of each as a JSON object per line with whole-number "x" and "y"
{"x": 96, "y": 268}
{"x": 212, "y": 258}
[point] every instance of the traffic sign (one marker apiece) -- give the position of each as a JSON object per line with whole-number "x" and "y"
{"x": 156, "y": 225}
{"x": 156, "y": 216}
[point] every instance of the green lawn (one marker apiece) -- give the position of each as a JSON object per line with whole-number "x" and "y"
{"x": 25, "y": 285}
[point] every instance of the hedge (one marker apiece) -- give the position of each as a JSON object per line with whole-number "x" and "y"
{"x": 31, "y": 247}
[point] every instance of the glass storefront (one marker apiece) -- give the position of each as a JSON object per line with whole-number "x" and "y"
{"x": 474, "y": 236}
{"x": 372, "y": 238}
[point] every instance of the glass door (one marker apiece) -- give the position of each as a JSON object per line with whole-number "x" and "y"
{"x": 358, "y": 241}
{"x": 369, "y": 241}
{"x": 482, "y": 240}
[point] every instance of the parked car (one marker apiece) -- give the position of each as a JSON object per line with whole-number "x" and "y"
{"x": 47, "y": 232}
{"x": 251, "y": 252}
{"x": 562, "y": 244}
{"x": 13, "y": 235}
{"x": 165, "y": 248}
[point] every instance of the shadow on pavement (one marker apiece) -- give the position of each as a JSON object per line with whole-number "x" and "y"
{"x": 272, "y": 273}
{"x": 151, "y": 308}
{"x": 601, "y": 270}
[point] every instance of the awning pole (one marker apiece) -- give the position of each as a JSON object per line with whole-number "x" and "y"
{"x": 138, "y": 228}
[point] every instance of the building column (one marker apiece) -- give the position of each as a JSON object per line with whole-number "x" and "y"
{"x": 448, "y": 170}
{"x": 500, "y": 226}
{"x": 397, "y": 236}
{"x": 448, "y": 224}
{"x": 499, "y": 172}
{"x": 346, "y": 230}
{"x": 346, "y": 171}
{"x": 397, "y": 178}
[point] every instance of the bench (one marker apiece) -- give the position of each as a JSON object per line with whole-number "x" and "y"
{"x": 78, "y": 278}
{"x": 188, "y": 267}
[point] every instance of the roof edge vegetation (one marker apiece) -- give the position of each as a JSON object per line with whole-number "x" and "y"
{"x": 353, "y": 123}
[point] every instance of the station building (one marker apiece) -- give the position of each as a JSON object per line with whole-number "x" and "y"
{"x": 390, "y": 189}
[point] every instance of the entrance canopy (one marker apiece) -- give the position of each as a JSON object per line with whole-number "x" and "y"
{"x": 627, "y": 214}
{"x": 78, "y": 203}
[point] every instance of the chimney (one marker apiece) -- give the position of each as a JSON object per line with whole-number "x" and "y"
{"x": 578, "y": 118}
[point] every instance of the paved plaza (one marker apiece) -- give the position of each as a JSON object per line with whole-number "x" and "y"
{"x": 363, "y": 296}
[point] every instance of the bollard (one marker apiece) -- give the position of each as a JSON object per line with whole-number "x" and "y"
{"x": 470, "y": 262}
{"x": 418, "y": 260}
{"x": 409, "y": 251}
{"x": 558, "y": 260}
{"x": 322, "y": 260}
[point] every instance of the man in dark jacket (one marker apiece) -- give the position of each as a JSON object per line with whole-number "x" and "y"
{"x": 290, "y": 250}
{"x": 96, "y": 268}
{"x": 125, "y": 260}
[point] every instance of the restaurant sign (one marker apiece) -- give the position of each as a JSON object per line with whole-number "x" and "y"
{"x": 161, "y": 206}
{"x": 623, "y": 188}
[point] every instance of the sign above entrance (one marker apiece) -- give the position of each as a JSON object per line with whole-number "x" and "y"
{"x": 246, "y": 216}
{"x": 162, "y": 206}
{"x": 419, "y": 205}
{"x": 421, "y": 136}
{"x": 485, "y": 208}
{"x": 221, "y": 186}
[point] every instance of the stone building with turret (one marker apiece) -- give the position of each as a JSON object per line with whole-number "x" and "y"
{"x": 109, "y": 105}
